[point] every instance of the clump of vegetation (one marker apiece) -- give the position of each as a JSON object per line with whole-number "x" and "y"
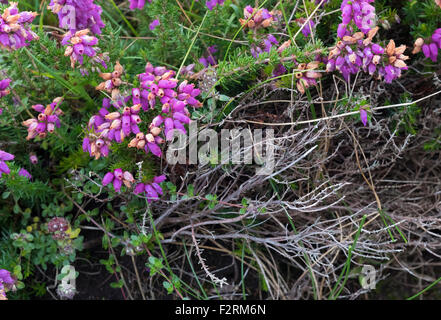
{"x": 215, "y": 149}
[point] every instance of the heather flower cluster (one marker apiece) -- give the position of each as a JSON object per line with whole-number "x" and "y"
{"x": 15, "y": 30}
{"x": 97, "y": 144}
{"x": 118, "y": 177}
{"x": 4, "y": 85}
{"x": 77, "y": 15}
{"x": 46, "y": 121}
{"x": 255, "y": 18}
{"x": 307, "y": 76}
{"x": 358, "y": 11}
{"x": 158, "y": 85}
{"x": 175, "y": 113}
{"x": 148, "y": 142}
{"x": 112, "y": 81}
{"x": 6, "y": 283}
{"x": 152, "y": 190}
{"x": 79, "y": 45}
{"x": 353, "y": 53}
{"x": 264, "y": 46}
{"x": 116, "y": 125}
{"x": 429, "y": 47}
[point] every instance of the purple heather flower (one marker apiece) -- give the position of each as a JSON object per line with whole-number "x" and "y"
{"x": 354, "y": 53}
{"x": 430, "y": 49}
{"x": 269, "y": 42}
{"x": 4, "y": 156}
{"x": 24, "y": 173}
{"x": 266, "y": 44}
{"x": 4, "y": 84}
{"x": 359, "y": 11}
{"x": 158, "y": 85}
{"x": 154, "y": 24}
{"x": 5, "y": 277}
{"x": 279, "y": 70}
{"x": 212, "y": 3}
{"x": 306, "y": 30}
{"x": 159, "y": 179}
{"x": 363, "y": 116}
{"x": 108, "y": 178}
{"x": 138, "y": 4}
{"x": 118, "y": 177}
{"x": 152, "y": 190}
{"x": 97, "y": 145}
{"x": 80, "y": 45}
{"x": 208, "y": 59}
{"x": 33, "y": 158}
{"x": 47, "y": 120}
{"x": 6, "y": 283}
{"x": 15, "y": 31}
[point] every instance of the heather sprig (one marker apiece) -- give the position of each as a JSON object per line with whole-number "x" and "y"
{"x": 80, "y": 45}
{"x": 307, "y": 76}
{"x": 429, "y": 47}
{"x": 118, "y": 177}
{"x": 358, "y": 11}
{"x": 77, "y": 15}
{"x": 159, "y": 86}
{"x": 152, "y": 190}
{"x": 355, "y": 53}
{"x": 112, "y": 81}
{"x": 4, "y": 85}
{"x": 148, "y": 142}
{"x": 97, "y": 144}
{"x": 15, "y": 30}
{"x": 47, "y": 120}
{"x": 120, "y": 125}
{"x": 255, "y": 18}
{"x": 6, "y": 283}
